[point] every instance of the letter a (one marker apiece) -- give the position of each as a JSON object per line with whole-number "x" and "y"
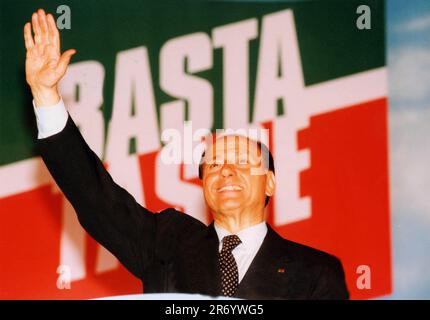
{"x": 363, "y": 21}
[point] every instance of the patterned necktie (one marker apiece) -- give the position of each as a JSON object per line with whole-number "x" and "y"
{"x": 228, "y": 266}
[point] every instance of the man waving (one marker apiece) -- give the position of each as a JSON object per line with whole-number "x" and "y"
{"x": 238, "y": 254}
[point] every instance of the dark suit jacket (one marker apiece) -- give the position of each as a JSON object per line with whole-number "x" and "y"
{"x": 171, "y": 251}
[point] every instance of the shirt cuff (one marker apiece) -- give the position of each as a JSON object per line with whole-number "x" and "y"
{"x": 50, "y": 120}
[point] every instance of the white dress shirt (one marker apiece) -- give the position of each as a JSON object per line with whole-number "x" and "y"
{"x": 251, "y": 237}
{"x": 50, "y": 120}
{"x": 53, "y": 119}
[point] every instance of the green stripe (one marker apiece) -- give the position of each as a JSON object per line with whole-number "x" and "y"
{"x": 331, "y": 46}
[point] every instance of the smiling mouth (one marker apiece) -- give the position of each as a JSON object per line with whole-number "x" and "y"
{"x": 230, "y": 188}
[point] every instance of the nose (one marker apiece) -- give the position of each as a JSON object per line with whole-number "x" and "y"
{"x": 227, "y": 170}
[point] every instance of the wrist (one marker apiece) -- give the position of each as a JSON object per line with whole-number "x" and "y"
{"x": 45, "y": 97}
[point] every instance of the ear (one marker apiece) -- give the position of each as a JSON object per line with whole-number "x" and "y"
{"x": 270, "y": 183}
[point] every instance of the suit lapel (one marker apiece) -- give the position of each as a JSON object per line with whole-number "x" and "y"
{"x": 268, "y": 275}
{"x": 213, "y": 277}
{"x": 270, "y": 265}
{"x": 199, "y": 270}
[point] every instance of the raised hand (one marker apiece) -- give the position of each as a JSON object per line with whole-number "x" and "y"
{"x": 44, "y": 63}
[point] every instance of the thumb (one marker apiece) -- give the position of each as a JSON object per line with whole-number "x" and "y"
{"x": 64, "y": 61}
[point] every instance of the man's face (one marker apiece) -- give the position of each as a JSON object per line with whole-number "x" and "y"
{"x": 230, "y": 181}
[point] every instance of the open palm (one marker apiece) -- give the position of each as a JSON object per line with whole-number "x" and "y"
{"x": 44, "y": 64}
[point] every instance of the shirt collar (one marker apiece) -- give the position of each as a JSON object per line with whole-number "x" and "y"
{"x": 251, "y": 237}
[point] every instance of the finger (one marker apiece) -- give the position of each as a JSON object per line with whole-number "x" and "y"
{"x": 28, "y": 39}
{"x": 43, "y": 25}
{"x": 36, "y": 28}
{"x": 64, "y": 61}
{"x": 54, "y": 35}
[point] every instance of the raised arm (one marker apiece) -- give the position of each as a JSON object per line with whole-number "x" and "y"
{"x": 106, "y": 211}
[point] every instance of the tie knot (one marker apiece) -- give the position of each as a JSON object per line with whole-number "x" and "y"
{"x": 230, "y": 242}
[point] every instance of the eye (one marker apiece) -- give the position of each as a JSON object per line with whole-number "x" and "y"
{"x": 215, "y": 164}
